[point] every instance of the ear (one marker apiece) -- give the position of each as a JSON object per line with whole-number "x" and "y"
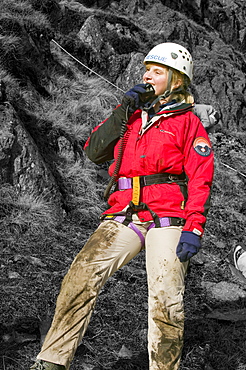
{"x": 177, "y": 83}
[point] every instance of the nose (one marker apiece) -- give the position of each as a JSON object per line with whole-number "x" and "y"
{"x": 147, "y": 76}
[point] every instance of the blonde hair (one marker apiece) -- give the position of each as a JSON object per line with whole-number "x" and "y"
{"x": 184, "y": 95}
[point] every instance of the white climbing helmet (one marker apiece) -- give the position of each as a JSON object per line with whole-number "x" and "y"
{"x": 172, "y": 55}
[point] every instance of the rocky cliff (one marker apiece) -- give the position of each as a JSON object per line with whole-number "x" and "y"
{"x": 111, "y": 38}
{"x": 63, "y": 67}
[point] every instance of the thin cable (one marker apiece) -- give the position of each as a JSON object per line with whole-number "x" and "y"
{"x": 233, "y": 169}
{"x": 91, "y": 70}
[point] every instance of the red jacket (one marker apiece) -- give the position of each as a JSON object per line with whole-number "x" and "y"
{"x": 175, "y": 142}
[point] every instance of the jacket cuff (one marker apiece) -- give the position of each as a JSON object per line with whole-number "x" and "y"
{"x": 193, "y": 227}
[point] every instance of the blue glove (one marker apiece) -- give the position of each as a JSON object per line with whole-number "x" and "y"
{"x": 189, "y": 245}
{"x": 132, "y": 98}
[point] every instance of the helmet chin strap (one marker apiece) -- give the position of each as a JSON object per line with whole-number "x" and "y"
{"x": 167, "y": 93}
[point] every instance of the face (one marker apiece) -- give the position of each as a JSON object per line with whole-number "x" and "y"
{"x": 157, "y": 76}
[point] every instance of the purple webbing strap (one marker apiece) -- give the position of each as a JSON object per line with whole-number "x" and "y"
{"x": 124, "y": 183}
{"x": 138, "y": 232}
{"x": 151, "y": 226}
{"x": 164, "y": 221}
{"x": 132, "y": 226}
{"x": 120, "y": 219}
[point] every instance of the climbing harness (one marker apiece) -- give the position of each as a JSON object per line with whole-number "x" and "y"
{"x": 136, "y": 183}
{"x": 160, "y": 178}
{"x": 125, "y": 218}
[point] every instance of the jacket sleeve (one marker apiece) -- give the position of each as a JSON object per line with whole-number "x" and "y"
{"x": 100, "y": 145}
{"x": 199, "y": 168}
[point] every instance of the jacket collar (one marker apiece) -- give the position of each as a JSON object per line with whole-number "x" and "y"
{"x": 166, "y": 110}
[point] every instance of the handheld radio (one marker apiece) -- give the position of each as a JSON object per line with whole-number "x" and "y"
{"x": 148, "y": 94}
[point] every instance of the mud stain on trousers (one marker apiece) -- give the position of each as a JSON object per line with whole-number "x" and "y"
{"x": 109, "y": 248}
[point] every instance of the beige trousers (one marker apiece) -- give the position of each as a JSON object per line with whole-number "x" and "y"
{"x": 109, "y": 248}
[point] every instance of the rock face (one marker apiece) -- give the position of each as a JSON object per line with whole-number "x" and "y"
{"x": 213, "y": 31}
{"x": 21, "y": 164}
{"x": 112, "y": 38}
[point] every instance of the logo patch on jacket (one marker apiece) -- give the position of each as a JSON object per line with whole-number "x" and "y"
{"x": 202, "y": 146}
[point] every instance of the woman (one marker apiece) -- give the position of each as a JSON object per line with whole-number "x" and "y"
{"x": 163, "y": 171}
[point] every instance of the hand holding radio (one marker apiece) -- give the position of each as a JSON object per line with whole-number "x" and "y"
{"x": 137, "y": 97}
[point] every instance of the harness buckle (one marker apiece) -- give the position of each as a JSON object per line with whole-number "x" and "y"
{"x": 172, "y": 177}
